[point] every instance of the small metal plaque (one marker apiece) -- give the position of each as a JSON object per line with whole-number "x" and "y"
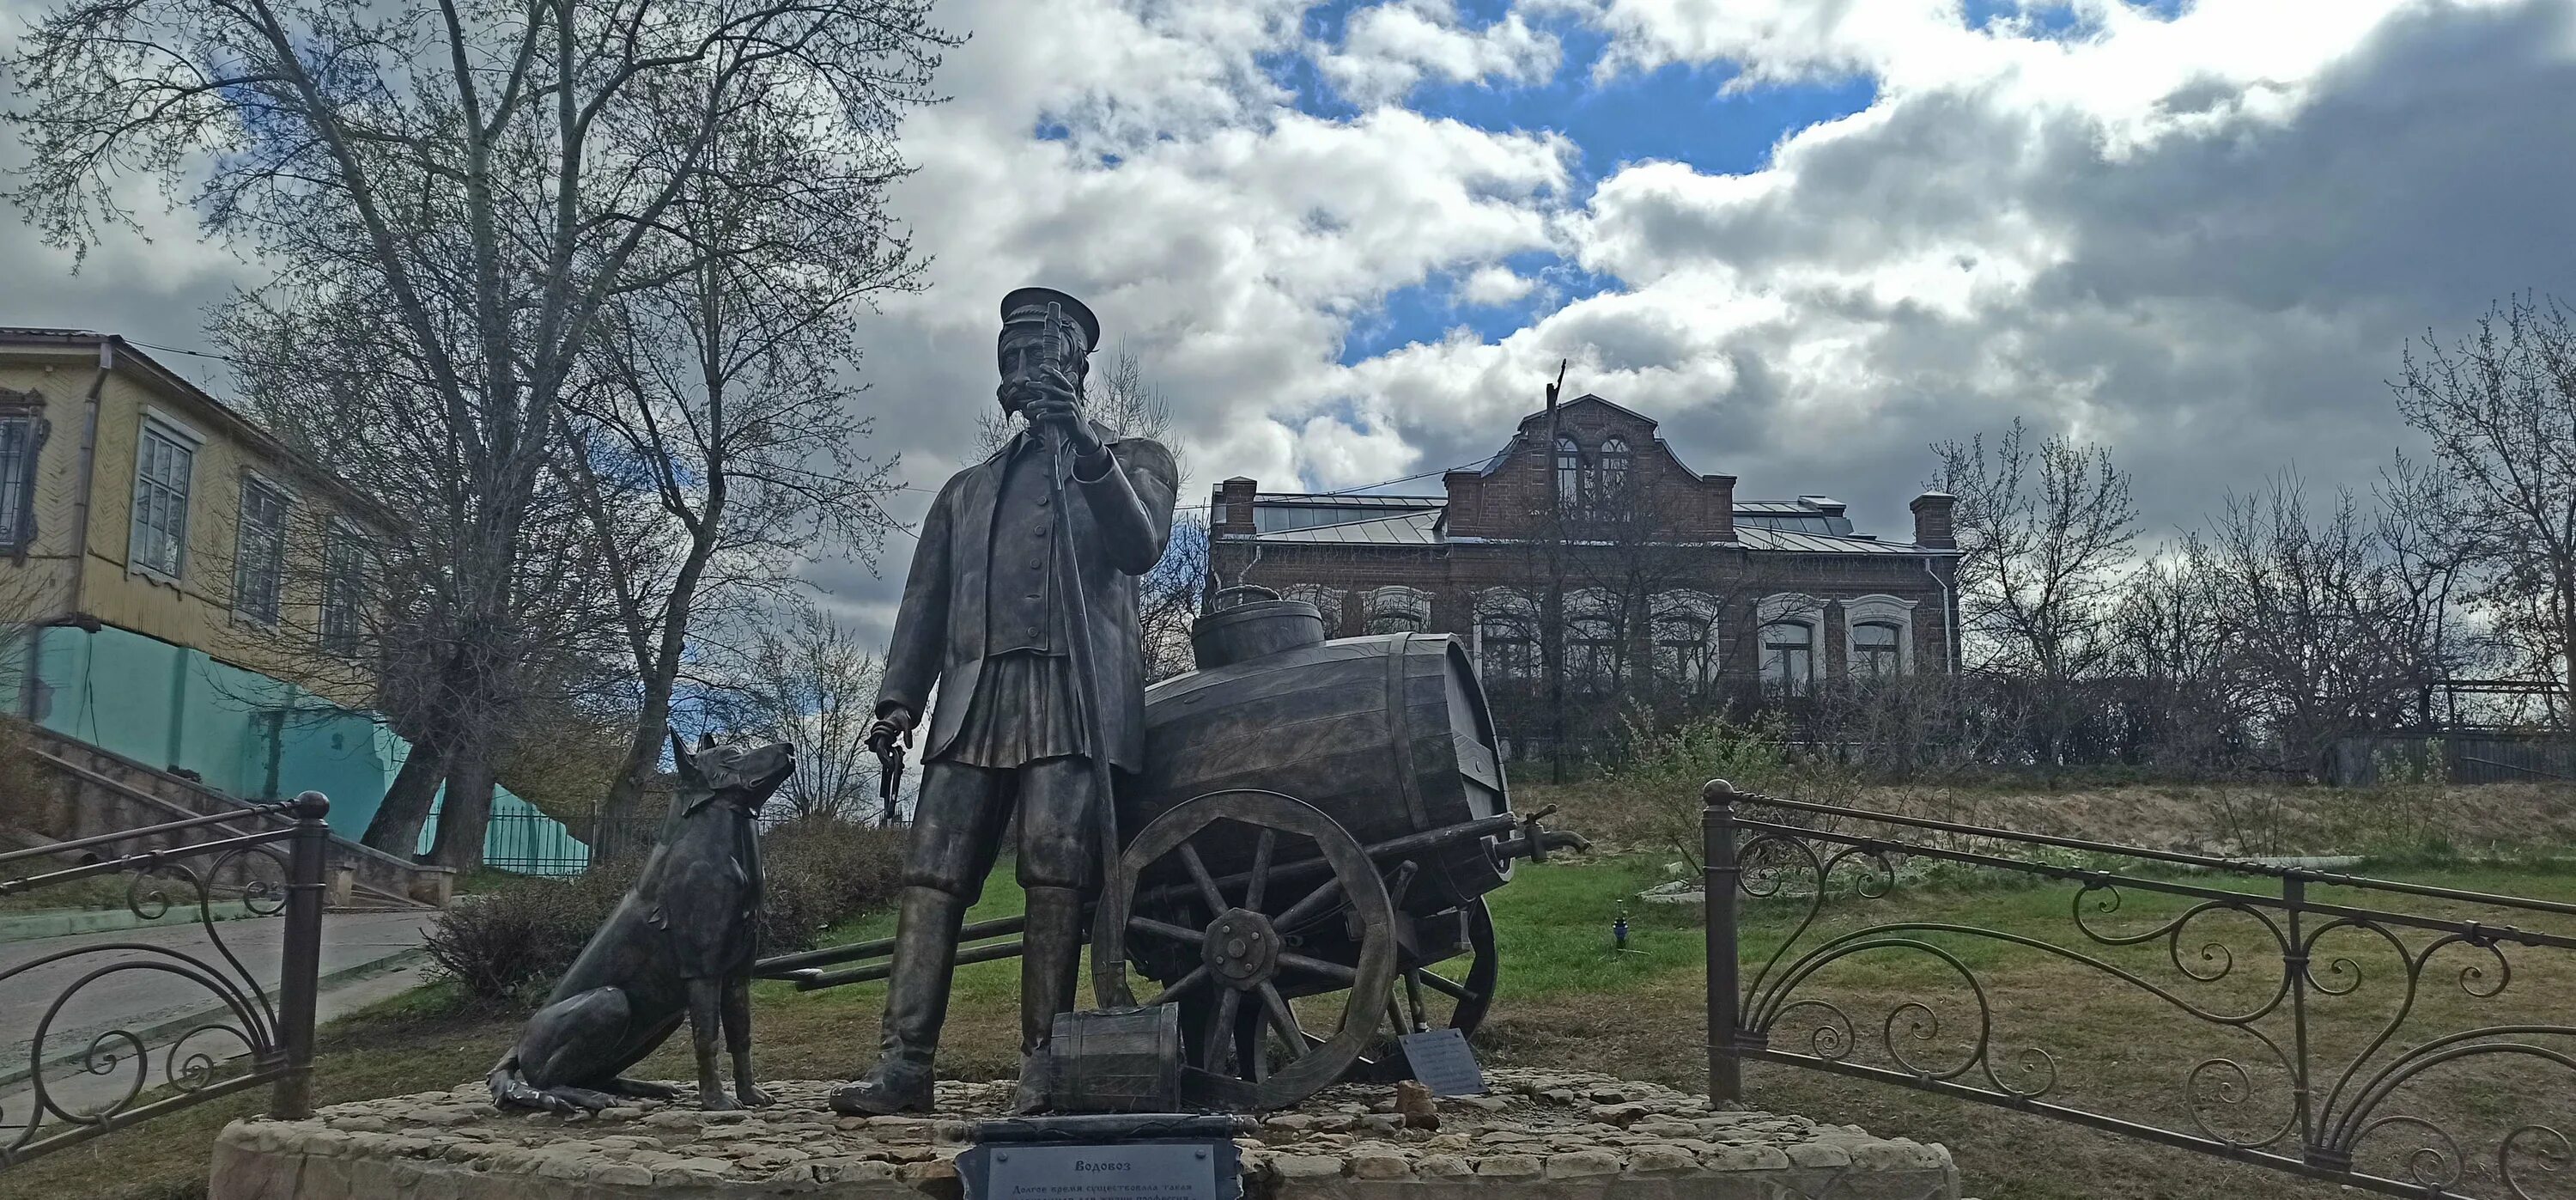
{"x": 1128, "y": 1171}
{"x": 1444, "y": 1062}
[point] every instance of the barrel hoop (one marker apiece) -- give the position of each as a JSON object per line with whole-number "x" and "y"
{"x": 1399, "y": 726}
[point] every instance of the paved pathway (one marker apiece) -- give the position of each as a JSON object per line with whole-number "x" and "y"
{"x": 137, "y": 1000}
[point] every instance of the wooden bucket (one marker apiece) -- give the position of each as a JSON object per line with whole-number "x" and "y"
{"x": 1118, "y": 1060}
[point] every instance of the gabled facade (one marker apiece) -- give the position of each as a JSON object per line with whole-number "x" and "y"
{"x": 1673, "y": 589}
{"x": 178, "y": 587}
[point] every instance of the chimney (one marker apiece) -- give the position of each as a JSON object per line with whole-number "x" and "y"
{"x": 1932, "y": 520}
{"x": 1465, "y": 513}
{"x": 1720, "y": 518}
{"x": 1234, "y": 506}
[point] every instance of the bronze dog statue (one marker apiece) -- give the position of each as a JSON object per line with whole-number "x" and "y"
{"x": 680, "y": 945}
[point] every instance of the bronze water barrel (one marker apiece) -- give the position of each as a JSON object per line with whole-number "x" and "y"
{"x": 1389, "y": 735}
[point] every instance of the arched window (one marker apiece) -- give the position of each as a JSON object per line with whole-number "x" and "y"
{"x": 1506, "y": 635}
{"x": 1878, "y": 636}
{"x": 1398, "y": 609}
{"x": 1686, "y": 641}
{"x": 1790, "y": 631}
{"x": 1611, "y": 478}
{"x": 1569, "y": 471}
{"x": 1873, "y": 651}
{"x": 1788, "y": 658}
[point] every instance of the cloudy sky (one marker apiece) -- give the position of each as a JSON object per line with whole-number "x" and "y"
{"x": 1351, "y": 241}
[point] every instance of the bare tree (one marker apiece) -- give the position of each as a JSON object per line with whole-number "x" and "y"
{"x": 463, "y": 190}
{"x": 2317, "y": 621}
{"x": 713, "y": 444}
{"x": 2500, "y": 408}
{"x": 806, "y": 680}
{"x": 2045, "y": 536}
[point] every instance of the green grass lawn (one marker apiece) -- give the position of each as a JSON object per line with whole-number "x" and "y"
{"x": 1567, "y": 997}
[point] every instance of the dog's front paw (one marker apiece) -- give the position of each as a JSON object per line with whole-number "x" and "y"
{"x": 716, "y": 1101}
{"x": 752, "y": 1097}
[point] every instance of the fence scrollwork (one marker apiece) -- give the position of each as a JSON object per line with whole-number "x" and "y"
{"x": 243, "y": 1032}
{"x": 2286, "y": 1101}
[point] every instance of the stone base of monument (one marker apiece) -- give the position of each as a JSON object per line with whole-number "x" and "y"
{"x": 1540, "y": 1134}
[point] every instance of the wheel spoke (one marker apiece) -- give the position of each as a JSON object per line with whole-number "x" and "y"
{"x": 1207, "y": 883}
{"x": 1221, "y": 1035}
{"x": 1316, "y": 966}
{"x": 1281, "y": 1017}
{"x": 1438, "y": 983}
{"x": 1197, "y": 977}
{"x": 1167, "y": 929}
{"x": 1324, "y": 894}
{"x": 1261, "y": 851}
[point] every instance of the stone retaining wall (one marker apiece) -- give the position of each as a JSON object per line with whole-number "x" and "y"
{"x": 1548, "y": 1135}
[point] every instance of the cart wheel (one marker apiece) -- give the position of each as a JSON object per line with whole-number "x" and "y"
{"x": 1242, "y": 946}
{"x": 1455, "y": 994}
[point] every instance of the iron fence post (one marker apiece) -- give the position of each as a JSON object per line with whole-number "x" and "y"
{"x": 1719, "y": 876}
{"x": 300, "y": 972}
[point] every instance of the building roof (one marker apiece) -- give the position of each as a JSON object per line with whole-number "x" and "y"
{"x": 1417, "y": 527}
{"x": 121, "y": 354}
{"x": 1807, "y": 525}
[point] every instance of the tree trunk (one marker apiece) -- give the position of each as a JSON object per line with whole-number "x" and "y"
{"x": 395, "y": 829}
{"x": 619, "y": 833}
{"x": 466, "y": 814}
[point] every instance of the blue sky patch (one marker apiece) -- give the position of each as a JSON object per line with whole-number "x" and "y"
{"x": 1678, "y": 113}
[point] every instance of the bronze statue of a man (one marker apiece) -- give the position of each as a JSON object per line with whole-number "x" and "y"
{"x": 992, "y": 614}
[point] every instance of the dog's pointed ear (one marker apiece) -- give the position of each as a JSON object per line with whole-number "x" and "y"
{"x": 706, "y": 741}
{"x": 687, "y": 766}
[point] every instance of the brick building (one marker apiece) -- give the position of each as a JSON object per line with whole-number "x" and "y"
{"x": 1674, "y": 591}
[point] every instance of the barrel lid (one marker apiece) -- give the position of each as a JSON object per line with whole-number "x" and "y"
{"x": 1258, "y": 610}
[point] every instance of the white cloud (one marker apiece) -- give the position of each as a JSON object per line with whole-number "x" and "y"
{"x": 2203, "y": 237}
{"x": 1388, "y": 49}
{"x": 1492, "y": 285}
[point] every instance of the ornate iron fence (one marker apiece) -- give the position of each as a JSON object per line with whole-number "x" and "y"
{"x": 2350, "y": 1116}
{"x": 245, "y": 1034}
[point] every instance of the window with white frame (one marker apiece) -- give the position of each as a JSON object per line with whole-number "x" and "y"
{"x": 1788, "y": 635}
{"x": 22, "y": 437}
{"x": 347, "y": 564}
{"x": 1398, "y": 609}
{"x": 1686, "y": 656}
{"x": 1506, "y": 635}
{"x": 1873, "y": 651}
{"x": 1788, "y": 658}
{"x": 259, "y": 552}
{"x": 1593, "y": 661}
{"x": 165, "y": 459}
{"x": 1879, "y": 636}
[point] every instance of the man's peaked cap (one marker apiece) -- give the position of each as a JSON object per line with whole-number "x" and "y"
{"x": 1037, "y": 298}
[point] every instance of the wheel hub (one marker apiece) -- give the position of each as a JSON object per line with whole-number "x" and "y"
{"x": 1242, "y": 948}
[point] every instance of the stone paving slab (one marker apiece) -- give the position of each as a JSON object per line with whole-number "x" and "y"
{"x": 1542, "y": 1134}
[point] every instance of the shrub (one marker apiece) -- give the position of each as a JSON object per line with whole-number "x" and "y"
{"x": 1670, "y": 766}
{"x": 508, "y": 944}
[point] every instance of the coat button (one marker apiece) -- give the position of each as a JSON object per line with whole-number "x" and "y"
{"x": 1043, "y": 501}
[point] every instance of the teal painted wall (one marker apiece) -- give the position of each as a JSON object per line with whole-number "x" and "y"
{"x": 247, "y": 735}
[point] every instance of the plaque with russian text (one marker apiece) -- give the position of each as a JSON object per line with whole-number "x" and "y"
{"x": 1444, "y": 1062}
{"x": 1129, "y": 1171}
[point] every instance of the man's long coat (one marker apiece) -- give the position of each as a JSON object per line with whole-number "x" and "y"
{"x": 944, "y": 631}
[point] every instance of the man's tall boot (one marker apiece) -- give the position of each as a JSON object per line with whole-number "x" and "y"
{"x": 1050, "y": 959}
{"x": 925, "y": 951}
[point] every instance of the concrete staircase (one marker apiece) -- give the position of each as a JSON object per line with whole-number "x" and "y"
{"x": 95, "y": 792}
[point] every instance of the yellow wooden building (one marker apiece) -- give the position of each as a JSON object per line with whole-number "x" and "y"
{"x": 179, "y": 587}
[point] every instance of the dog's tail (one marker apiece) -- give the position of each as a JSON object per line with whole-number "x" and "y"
{"x": 510, "y": 1089}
